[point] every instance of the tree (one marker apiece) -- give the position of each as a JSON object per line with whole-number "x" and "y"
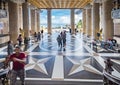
{"x": 79, "y": 24}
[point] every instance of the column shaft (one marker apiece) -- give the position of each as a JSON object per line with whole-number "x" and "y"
{"x": 108, "y": 30}
{"x": 13, "y": 21}
{"x": 38, "y": 21}
{"x": 88, "y": 22}
{"x": 26, "y": 19}
{"x": 20, "y": 17}
{"x": 33, "y": 21}
{"x": 49, "y": 21}
{"x": 95, "y": 20}
{"x": 84, "y": 20}
{"x": 72, "y": 22}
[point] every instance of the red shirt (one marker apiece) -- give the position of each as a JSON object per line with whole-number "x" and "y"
{"x": 17, "y": 65}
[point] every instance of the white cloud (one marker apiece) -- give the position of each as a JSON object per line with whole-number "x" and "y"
{"x": 65, "y": 19}
{"x": 61, "y": 19}
{"x": 77, "y": 18}
{"x": 53, "y": 17}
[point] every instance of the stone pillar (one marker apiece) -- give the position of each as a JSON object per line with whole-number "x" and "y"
{"x": 108, "y": 30}
{"x": 88, "y": 22}
{"x": 20, "y": 18}
{"x": 95, "y": 20}
{"x": 84, "y": 21}
{"x": 49, "y": 21}
{"x": 13, "y": 21}
{"x": 26, "y": 19}
{"x": 38, "y": 21}
{"x": 72, "y": 22}
{"x": 33, "y": 21}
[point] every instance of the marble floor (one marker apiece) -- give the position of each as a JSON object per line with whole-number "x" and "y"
{"x": 76, "y": 64}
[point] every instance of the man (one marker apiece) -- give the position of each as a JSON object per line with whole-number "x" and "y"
{"x": 19, "y": 60}
{"x": 59, "y": 40}
{"x": 108, "y": 65}
{"x": 20, "y": 39}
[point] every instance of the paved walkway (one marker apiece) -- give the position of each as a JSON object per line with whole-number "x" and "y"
{"x": 76, "y": 64}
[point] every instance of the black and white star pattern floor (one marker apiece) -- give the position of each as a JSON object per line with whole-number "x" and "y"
{"x": 76, "y": 64}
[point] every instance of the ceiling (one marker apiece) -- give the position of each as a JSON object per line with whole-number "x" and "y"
{"x": 59, "y": 4}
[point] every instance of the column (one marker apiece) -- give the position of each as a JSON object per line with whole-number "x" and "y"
{"x": 20, "y": 14}
{"x": 108, "y": 30}
{"x": 88, "y": 22}
{"x": 49, "y": 21}
{"x": 38, "y": 21}
{"x": 95, "y": 20}
{"x": 33, "y": 21}
{"x": 26, "y": 19}
{"x": 84, "y": 20}
{"x": 13, "y": 21}
{"x": 72, "y": 22}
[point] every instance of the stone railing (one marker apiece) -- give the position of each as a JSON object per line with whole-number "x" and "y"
{"x": 109, "y": 79}
{"x": 4, "y": 38}
{"x": 117, "y": 38}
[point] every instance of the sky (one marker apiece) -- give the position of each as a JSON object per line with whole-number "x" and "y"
{"x": 60, "y": 17}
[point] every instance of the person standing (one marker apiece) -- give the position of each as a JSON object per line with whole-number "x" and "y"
{"x": 9, "y": 48}
{"x": 42, "y": 33}
{"x": 108, "y": 66}
{"x": 35, "y": 36}
{"x": 39, "y": 36}
{"x": 19, "y": 60}
{"x": 20, "y": 39}
{"x": 26, "y": 43}
{"x": 59, "y": 40}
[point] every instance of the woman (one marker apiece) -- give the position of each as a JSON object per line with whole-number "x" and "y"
{"x": 9, "y": 48}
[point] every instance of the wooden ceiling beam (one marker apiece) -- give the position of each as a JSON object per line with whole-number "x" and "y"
{"x": 68, "y": 4}
{"x": 64, "y": 4}
{"x": 55, "y": 3}
{"x": 33, "y": 2}
{"x": 41, "y": 4}
{"x": 85, "y": 3}
{"x": 50, "y": 3}
{"x": 45, "y": 3}
{"x": 78, "y": 4}
{"x": 74, "y": 3}
{"x": 59, "y": 3}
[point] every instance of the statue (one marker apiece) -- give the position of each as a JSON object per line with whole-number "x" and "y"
{"x": 22, "y": 32}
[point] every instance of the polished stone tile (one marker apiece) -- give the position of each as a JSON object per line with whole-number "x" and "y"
{"x": 76, "y": 64}
{"x": 60, "y": 83}
{"x": 40, "y": 66}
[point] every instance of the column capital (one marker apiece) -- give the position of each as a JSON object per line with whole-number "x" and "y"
{"x": 18, "y": 1}
{"x": 97, "y": 1}
{"x": 49, "y": 9}
{"x": 89, "y": 6}
{"x": 104, "y": 0}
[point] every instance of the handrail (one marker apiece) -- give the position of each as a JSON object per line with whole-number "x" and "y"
{"x": 112, "y": 78}
{"x": 3, "y": 35}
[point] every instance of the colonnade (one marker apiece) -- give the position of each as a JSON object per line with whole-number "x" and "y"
{"x": 30, "y": 19}
{"x": 93, "y": 17}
